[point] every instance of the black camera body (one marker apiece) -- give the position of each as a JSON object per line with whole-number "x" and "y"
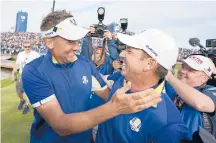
{"x": 100, "y": 27}
{"x": 208, "y": 52}
{"x": 211, "y": 43}
{"x": 99, "y": 30}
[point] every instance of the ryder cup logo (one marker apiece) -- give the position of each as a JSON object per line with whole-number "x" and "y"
{"x": 85, "y": 80}
{"x": 73, "y": 21}
{"x": 135, "y": 124}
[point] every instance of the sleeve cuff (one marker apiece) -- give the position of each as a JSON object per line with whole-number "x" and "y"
{"x": 39, "y": 103}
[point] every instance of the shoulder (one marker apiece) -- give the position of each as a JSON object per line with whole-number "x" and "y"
{"x": 21, "y": 53}
{"x": 210, "y": 91}
{"x": 35, "y": 53}
{"x": 35, "y": 63}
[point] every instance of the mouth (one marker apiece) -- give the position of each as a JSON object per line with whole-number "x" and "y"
{"x": 123, "y": 65}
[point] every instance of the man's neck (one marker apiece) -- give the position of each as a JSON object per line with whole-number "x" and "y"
{"x": 28, "y": 53}
{"x": 142, "y": 82}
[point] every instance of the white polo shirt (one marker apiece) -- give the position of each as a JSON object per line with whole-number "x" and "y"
{"x": 23, "y": 58}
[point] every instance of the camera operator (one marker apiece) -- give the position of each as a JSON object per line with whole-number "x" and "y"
{"x": 102, "y": 57}
{"x": 195, "y": 99}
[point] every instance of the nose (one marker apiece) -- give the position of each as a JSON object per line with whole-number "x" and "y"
{"x": 122, "y": 54}
{"x": 75, "y": 45}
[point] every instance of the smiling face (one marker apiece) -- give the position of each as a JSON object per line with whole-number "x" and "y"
{"x": 135, "y": 62}
{"x": 63, "y": 50}
{"x": 192, "y": 77}
{"x": 27, "y": 47}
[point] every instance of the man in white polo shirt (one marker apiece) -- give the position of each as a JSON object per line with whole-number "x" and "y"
{"x": 23, "y": 58}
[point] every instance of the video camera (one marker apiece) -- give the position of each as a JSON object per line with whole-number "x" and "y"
{"x": 100, "y": 27}
{"x": 208, "y": 52}
{"x": 211, "y": 43}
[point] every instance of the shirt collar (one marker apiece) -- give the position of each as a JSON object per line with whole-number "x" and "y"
{"x": 159, "y": 88}
{"x": 53, "y": 59}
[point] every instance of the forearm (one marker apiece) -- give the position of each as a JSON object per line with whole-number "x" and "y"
{"x": 79, "y": 122}
{"x": 192, "y": 96}
{"x": 15, "y": 68}
{"x": 104, "y": 94}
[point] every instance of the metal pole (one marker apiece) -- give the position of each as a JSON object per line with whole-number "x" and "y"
{"x": 53, "y": 6}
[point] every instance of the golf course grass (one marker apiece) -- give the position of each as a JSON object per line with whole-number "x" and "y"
{"x": 14, "y": 125}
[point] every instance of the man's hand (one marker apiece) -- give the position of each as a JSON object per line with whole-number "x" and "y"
{"x": 169, "y": 76}
{"x": 116, "y": 64}
{"x": 114, "y": 36}
{"x": 108, "y": 34}
{"x": 92, "y": 29}
{"x": 134, "y": 102}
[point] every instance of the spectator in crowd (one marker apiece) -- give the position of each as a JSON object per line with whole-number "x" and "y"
{"x": 59, "y": 85}
{"x": 22, "y": 59}
{"x": 12, "y": 42}
{"x": 145, "y": 64}
{"x": 194, "y": 98}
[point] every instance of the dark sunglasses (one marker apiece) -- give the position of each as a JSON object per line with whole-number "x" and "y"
{"x": 27, "y": 47}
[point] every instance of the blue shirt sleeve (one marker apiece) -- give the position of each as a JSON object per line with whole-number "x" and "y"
{"x": 35, "y": 86}
{"x": 85, "y": 48}
{"x": 112, "y": 48}
{"x": 172, "y": 133}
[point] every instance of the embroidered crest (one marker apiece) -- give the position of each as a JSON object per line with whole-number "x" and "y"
{"x": 135, "y": 124}
{"x": 85, "y": 80}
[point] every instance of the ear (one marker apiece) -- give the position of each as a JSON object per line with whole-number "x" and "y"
{"x": 204, "y": 79}
{"x": 49, "y": 43}
{"x": 151, "y": 64}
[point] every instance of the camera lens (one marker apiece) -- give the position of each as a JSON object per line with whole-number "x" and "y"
{"x": 100, "y": 31}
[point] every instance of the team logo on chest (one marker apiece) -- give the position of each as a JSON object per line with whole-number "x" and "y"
{"x": 85, "y": 80}
{"x": 135, "y": 124}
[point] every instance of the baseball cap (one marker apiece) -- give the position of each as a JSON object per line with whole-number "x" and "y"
{"x": 159, "y": 45}
{"x": 200, "y": 63}
{"x": 67, "y": 29}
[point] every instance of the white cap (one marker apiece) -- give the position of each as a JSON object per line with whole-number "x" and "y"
{"x": 200, "y": 63}
{"x": 67, "y": 29}
{"x": 157, "y": 44}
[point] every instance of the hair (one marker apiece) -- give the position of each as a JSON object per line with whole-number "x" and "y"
{"x": 27, "y": 42}
{"x": 161, "y": 72}
{"x": 54, "y": 18}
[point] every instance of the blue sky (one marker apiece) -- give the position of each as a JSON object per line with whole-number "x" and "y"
{"x": 181, "y": 19}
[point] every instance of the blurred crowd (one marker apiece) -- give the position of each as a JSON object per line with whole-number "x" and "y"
{"x": 11, "y": 42}
{"x": 183, "y": 53}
